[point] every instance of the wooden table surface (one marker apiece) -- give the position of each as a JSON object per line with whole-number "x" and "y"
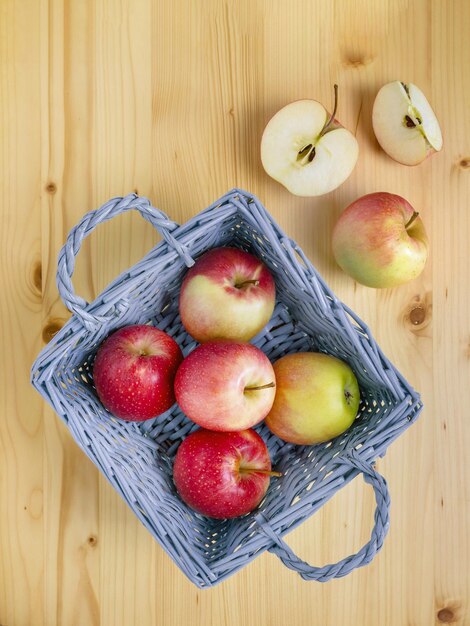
{"x": 170, "y": 98}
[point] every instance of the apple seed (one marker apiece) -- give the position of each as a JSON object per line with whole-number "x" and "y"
{"x": 311, "y": 155}
{"x": 305, "y": 150}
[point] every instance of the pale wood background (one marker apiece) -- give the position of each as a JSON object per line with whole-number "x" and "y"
{"x": 170, "y": 98}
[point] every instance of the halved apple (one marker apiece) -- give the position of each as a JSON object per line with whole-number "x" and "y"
{"x": 307, "y": 150}
{"x": 404, "y": 123}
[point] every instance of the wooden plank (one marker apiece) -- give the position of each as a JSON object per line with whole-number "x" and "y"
{"x": 22, "y": 497}
{"x": 450, "y": 182}
{"x": 71, "y": 568}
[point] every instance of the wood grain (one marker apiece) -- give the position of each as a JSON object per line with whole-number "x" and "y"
{"x": 170, "y": 98}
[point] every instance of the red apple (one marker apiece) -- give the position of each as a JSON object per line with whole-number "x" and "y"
{"x": 222, "y": 475}
{"x": 225, "y": 385}
{"x": 227, "y": 294}
{"x": 134, "y": 371}
{"x": 380, "y": 241}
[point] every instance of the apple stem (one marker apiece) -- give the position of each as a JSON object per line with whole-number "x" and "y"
{"x": 247, "y": 282}
{"x": 307, "y": 154}
{"x": 249, "y": 470}
{"x": 332, "y": 117}
{"x": 267, "y": 386}
{"x": 411, "y": 220}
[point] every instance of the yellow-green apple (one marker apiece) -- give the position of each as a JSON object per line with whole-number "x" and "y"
{"x": 225, "y": 385}
{"x": 380, "y": 241}
{"x": 227, "y": 294}
{"x": 404, "y": 123}
{"x": 307, "y": 150}
{"x": 222, "y": 475}
{"x": 317, "y": 398}
{"x": 134, "y": 372}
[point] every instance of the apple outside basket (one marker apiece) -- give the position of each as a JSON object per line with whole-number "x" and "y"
{"x": 137, "y": 458}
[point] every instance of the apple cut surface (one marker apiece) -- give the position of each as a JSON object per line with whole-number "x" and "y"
{"x": 405, "y": 124}
{"x": 430, "y": 124}
{"x": 296, "y": 153}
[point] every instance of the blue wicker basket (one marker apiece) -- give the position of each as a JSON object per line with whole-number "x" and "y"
{"x": 137, "y": 458}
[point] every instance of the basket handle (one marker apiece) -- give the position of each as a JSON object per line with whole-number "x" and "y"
{"x": 365, "y": 554}
{"x": 68, "y": 253}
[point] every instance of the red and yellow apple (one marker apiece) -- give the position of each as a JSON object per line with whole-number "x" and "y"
{"x": 227, "y": 294}
{"x": 134, "y": 371}
{"x": 380, "y": 241}
{"x": 225, "y": 385}
{"x": 307, "y": 150}
{"x": 222, "y": 475}
{"x": 317, "y": 398}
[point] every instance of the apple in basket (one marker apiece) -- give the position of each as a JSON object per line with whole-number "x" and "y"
{"x": 307, "y": 150}
{"x": 222, "y": 474}
{"x": 317, "y": 398}
{"x": 404, "y": 123}
{"x": 225, "y": 385}
{"x": 228, "y": 294}
{"x": 134, "y": 372}
{"x": 380, "y": 241}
